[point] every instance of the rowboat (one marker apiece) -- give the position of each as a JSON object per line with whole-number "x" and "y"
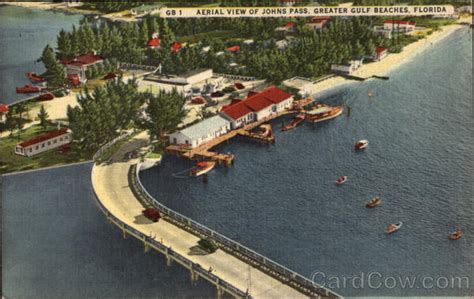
{"x": 391, "y": 228}
{"x": 34, "y": 78}
{"x": 456, "y": 235}
{"x": 341, "y": 180}
{"x": 202, "y": 168}
{"x": 298, "y": 119}
{"x": 373, "y": 202}
{"x": 361, "y": 144}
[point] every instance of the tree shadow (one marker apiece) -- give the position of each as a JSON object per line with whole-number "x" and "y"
{"x": 197, "y": 250}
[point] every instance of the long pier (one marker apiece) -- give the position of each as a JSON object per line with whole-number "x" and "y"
{"x": 233, "y": 269}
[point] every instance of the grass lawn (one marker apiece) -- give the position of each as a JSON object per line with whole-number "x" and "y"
{"x": 90, "y": 84}
{"x": 10, "y": 162}
{"x": 153, "y": 155}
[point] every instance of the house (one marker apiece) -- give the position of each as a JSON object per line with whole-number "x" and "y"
{"x": 303, "y": 85}
{"x": 317, "y": 23}
{"x": 153, "y": 43}
{"x": 233, "y": 49}
{"x": 346, "y": 68}
{"x": 399, "y": 26}
{"x": 182, "y": 83}
{"x": 3, "y": 113}
{"x": 384, "y": 32}
{"x": 257, "y": 106}
{"x": 78, "y": 65}
{"x": 175, "y": 47}
{"x": 202, "y": 132}
{"x": 380, "y": 53}
{"x": 289, "y": 27}
{"x": 44, "y": 142}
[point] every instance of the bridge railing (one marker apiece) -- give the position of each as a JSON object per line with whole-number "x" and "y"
{"x": 109, "y": 144}
{"x": 271, "y": 267}
{"x": 176, "y": 256}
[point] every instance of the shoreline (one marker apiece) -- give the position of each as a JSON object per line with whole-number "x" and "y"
{"x": 391, "y": 62}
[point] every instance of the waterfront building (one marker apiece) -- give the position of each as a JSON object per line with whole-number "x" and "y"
{"x": 3, "y": 113}
{"x": 182, "y": 83}
{"x": 380, "y": 53}
{"x": 347, "y": 68}
{"x": 202, "y": 132}
{"x": 317, "y": 23}
{"x": 399, "y": 26}
{"x": 44, "y": 142}
{"x": 303, "y": 85}
{"x": 257, "y": 106}
{"x": 77, "y": 66}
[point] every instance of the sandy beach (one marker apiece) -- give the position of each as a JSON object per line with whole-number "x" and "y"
{"x": 393, "y": 60}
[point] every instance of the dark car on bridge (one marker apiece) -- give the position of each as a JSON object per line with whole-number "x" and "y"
{"x": 152, "y": 214}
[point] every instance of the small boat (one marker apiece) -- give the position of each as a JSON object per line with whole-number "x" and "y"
{"x": 361, "y": 144}
{"x": 152, "y": 214}
{"x": 265, "y": 130}
{"x": 373, "y": 202}
{"x": 456, "y": 235}
{"x": 202, "y": 168}
{"x": 28, "y": 89}
{"x": 34, "y": 78}
{"x": 391, "y": 228}
{"x": 298, "y": 119}
{"x": 370, "y": 94}
{"x": 322, "y": 112}
{"x": 341, "y": 180}
{"x": 45, "y": 96}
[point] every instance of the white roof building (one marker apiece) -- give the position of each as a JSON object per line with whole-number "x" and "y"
{"x": 201, "y": 132}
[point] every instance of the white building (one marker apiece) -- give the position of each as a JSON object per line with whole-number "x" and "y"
{"x": 399, "y": 26}
{"x": 346, "y": 68}
{"x": 44, "y": 142}
{"x": 183, "y": 84}
{"x": 380, "y": 53}
{"x": 3, "y": 113}
{"x": 201, "y": 132}
{"x": 257, "y": 106}
{"x": 304, "y": 85}
{"x": 317, "y": 23}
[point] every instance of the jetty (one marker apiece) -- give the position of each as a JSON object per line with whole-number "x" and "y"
{"x": 233, "y": 269}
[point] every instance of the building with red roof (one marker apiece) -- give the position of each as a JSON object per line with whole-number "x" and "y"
{"x": 44, "y": 142}
{"x": 78, "y": 65}
{"x": 318, "y": 23}
{"x": 234, "y": 49}
{"x": 287, "y": 28}
{"x": 153, "y": 43}
{"x": 257, "y": 106}
{"x": 175, "y": 47}
{"x": 380, "y": 53}
{"x": 3, "y": 113}
{"x": 399, "y": 26}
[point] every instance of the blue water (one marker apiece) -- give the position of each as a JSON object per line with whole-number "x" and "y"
{"x": 24, "y": 33}
{"x": 57, "y": 244}
{"x": 281, "y": 200}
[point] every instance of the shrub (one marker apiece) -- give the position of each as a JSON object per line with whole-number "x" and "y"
{"x": 208, "y": 245}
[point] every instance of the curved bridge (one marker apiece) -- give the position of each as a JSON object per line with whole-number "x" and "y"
{"x": 236, "y": 269}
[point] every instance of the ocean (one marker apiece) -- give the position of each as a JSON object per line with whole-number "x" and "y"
{"x": 281, "y": 200}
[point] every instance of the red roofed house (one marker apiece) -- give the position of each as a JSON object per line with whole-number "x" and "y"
{"x": 317, "y": 23}
{"x": 399, "y": 26}
{"x": 80, "y": 64}
{"x": 257, "y": 106}
{"x": 176, "y": 47}
{"x": 380, "y": 53}
{"x": 287, "y": 28}
{"x": 3, "y": 113}
{"x": 44, "y": 142}
{"x": 153, "y": 43}
{"x": 234, "y": 49}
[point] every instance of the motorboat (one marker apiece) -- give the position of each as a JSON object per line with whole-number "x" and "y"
{"x": 393, "y": 227}
{"x": 297, "y": 120}
{"x": 341, "y": 180}
{"x": 28, "y": 89}
{"x": 456, "y": 235}
{"x": 361, "y": 144}
{"x": 34, "y": 78}
{"x": 322, "y": 112}
{"x": 45, "y": 97}
{"x": 201, "y": 168}
{"x": 373, "y": 202}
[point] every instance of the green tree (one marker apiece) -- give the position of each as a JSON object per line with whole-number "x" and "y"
{"x": 64, "y": 45}
{"x": 143, "y": 35}
{"x": 43, "y": 116}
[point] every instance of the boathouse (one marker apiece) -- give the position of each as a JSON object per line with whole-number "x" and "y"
{"x": 257, "y": 106}
{"x": 3, "y": 113}
{"x": 201, "y": 132}
{"x": 44, "y": 142}
{"x": 78, "y": 65}
{"x": 380, "y": 53}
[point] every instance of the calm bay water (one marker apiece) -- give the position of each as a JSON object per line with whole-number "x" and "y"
{"x": 281, "y": 200}
{"x": 23, "y": 34}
